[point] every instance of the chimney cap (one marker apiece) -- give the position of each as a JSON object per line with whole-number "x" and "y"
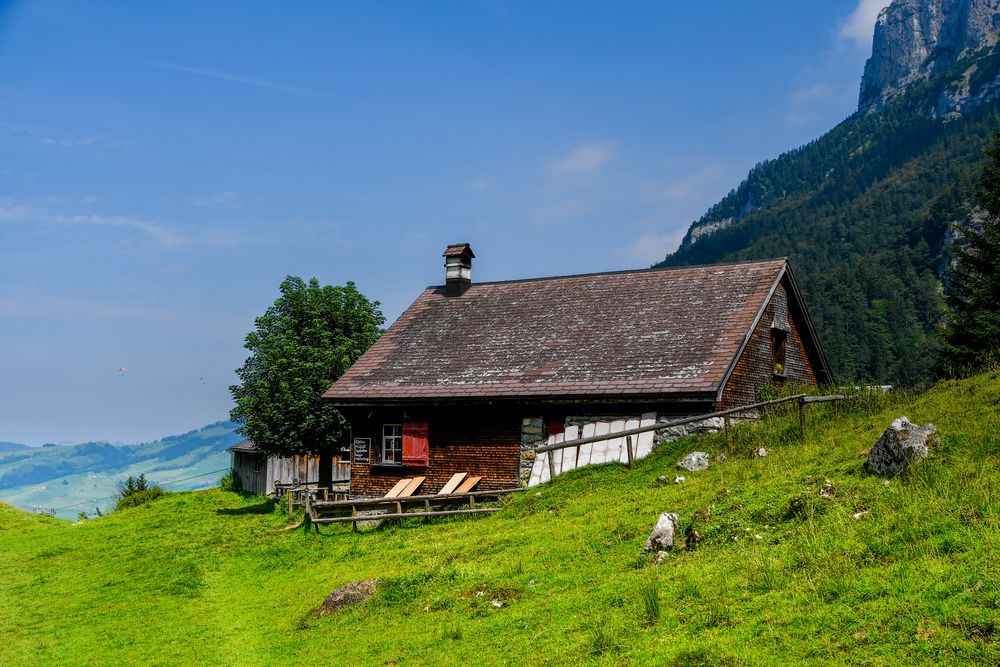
{"x": 459, "y": 250}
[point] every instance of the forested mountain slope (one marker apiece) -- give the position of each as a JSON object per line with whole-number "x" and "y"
{"x": 865, "y": 212}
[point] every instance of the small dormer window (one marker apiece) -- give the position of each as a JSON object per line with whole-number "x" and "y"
{"x": 778, "y": 340}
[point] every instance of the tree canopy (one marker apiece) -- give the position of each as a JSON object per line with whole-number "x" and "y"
{"x": 972, "y": 337}
{"x": 304, "y": 341}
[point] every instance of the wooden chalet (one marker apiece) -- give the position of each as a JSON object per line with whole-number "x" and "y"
{"x": 472, "y": 374}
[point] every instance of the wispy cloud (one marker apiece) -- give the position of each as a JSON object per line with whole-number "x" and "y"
{"x": 156, "y": 231}
{"x": 44, "y": 306}
{"x": 48, "y": 136}
{"x": 247, "y": 81}
{"x": 227, "y": 199}
{"x": 11, "y": 212}
{"x": 480, "y": 184}
{"x": 652, "y": 248}
{"x": 704, "y": 181}
{"x": 588, "y": 158}
{"x": 858, "y": 28}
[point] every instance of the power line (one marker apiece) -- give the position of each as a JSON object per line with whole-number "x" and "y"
{"x": 176, "y": 481}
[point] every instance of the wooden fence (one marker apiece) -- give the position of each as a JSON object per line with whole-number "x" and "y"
{"x": 635, "y": 442}
{"x": 378, "y": 509}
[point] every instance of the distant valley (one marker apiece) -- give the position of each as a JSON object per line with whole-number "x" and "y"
{"x": 81, "y": 478}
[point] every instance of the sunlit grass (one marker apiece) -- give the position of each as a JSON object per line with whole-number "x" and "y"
{"x": 209, "y": 578}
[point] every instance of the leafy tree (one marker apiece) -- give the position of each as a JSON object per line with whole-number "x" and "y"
{"x": 973, "y": 335}
{"x": 304, "y": 341}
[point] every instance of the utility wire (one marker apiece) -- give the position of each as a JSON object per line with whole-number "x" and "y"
{"x": 176, "y": 481}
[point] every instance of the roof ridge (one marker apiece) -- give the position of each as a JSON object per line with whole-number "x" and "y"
{"x": 664, "y": 269}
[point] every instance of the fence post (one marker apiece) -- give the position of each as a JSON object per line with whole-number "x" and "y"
{"x": 729, "y": 433}
{"x": 552, "y": 466}
{"x": 291, "y": 501}
{"x": 628, "y": 444}
{"x": 802, "y": 417}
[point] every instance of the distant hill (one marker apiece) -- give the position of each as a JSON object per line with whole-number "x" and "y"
{"x": 12, "y": 446}
{"x": 66, "y": 475}
{"x": 865, "y": 211}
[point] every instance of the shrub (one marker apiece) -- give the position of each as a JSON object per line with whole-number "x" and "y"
{"x": 136, "y": 491}
{"x": 231, "y": 482}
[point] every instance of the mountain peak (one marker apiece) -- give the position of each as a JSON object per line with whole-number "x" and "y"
{"x": 915, "y": 39}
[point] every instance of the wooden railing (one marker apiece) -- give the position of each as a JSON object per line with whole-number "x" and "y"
{"x": 339, "y": 511}
{"x": 802, "y": 399}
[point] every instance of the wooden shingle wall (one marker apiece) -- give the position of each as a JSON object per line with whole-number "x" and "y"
{"x": 755, "y": 367}
{"x": 485, "y": 445}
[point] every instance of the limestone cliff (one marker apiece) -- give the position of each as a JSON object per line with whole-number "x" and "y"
{"x": 916, "y": 39}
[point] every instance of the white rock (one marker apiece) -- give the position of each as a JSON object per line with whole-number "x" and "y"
{"x": 694, "y": 461}
{"x": 662, "y": 537}
{"x": 678, "y": 480}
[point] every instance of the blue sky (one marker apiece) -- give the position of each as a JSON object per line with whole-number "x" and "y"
{"x": 164, "y": 165}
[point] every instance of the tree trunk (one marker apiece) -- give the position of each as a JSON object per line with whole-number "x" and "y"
{"x": 325, "y": 469}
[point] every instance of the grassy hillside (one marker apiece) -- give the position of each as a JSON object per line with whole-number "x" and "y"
{"x": 73, "y": 475}
{"x": 208, "y": 578}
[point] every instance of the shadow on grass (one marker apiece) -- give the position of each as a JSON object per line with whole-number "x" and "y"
{"x": 264, "y": 507}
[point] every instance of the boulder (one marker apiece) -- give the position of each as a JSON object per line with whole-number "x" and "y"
{"x": 694, "y": 461}
{"x": 898, "y": 447}
{"x": 662, "y": 537}
{"x": 348, "y": 595}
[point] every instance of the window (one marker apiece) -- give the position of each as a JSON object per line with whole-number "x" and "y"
{"x": 555, "y": 426}
{"x": 778, "y": 338}
{"x": 392, "y": 443}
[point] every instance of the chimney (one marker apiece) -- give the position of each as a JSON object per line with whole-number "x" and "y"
{"x": 457, "y": 269}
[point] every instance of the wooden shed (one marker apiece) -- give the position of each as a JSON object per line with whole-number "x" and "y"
{"x": 259, "y": 473}
{"x": 472, "y": 373}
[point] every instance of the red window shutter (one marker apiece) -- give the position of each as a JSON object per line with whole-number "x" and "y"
{"x": 415, "y": 444}
{"x": 555, "y": 426}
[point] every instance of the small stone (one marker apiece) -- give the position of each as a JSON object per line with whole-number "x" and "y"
{"x": 538, "y": 494}
{"x": 496, "y": 604}
{"x": 694, "y": 461}
{"x": 662, "y": 479}
{"x": 660, "y": 557}
{"x": 721, "y": 458}
{"x": 827, "y": 490}
{"x": 678, "y": 480}
{"x": 761, "y": 453}
{"x": 757, "y": 537}
{"x": 859, "y": 514}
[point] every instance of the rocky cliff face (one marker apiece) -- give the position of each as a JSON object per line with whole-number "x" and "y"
{"x": 915, "y": 39}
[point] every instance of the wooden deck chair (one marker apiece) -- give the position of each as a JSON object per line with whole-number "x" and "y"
{"x": 398, "y": 489}
{"x": 411, "y": 487}
{"x": 468, "y": 485}
{"x": 452, "y": 484}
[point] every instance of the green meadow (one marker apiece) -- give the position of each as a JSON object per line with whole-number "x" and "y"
{"x": 881, "y": 572}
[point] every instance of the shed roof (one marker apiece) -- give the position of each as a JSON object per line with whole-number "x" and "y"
{"x": 243, "y": 446}
{"x": 632, "y": 333}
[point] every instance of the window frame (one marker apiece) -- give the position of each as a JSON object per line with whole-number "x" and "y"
{"x": 397, "y": 450}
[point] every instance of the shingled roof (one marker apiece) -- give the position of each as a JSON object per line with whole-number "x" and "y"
{"x": 634, "y": 333}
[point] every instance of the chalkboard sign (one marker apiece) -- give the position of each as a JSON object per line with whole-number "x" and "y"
{"x": 362, "y": 446}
